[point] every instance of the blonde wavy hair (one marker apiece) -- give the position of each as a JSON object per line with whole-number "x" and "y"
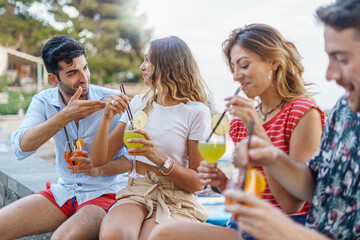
{"x": 269, "y": 44}
{"x": 176, "y": 73}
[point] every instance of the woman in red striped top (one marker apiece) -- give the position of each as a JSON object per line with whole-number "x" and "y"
{"x": 268, "y": 68}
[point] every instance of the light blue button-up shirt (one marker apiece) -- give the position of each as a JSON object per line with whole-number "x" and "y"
{"x": 44, "y": 106}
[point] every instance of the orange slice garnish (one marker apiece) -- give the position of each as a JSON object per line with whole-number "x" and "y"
{"x": 79, "y": 144}
{"x": 255, "y": 182}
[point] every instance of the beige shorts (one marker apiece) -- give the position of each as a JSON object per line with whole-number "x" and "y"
{"x": 162, "y": 199}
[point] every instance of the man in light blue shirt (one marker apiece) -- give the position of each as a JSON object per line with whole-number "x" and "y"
{"x": 74, "y": 207}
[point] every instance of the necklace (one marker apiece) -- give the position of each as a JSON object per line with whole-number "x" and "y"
{"x": 264, "y": 115}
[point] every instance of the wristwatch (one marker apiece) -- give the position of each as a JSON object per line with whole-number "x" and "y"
{"x": 166, "y": 165}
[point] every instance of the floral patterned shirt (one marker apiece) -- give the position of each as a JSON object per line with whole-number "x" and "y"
{"x": 335, "y": 209}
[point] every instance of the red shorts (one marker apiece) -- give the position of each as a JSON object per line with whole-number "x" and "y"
{"x": 71, "y": 206}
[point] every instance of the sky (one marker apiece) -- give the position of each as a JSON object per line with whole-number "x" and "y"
{"x": 205, "y": 24}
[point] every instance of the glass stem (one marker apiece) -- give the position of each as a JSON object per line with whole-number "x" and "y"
{"x": 239, "y": 231}
{"x": 134, "y": 164}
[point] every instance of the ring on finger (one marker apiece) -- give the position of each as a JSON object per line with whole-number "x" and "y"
{"x": 112, "y": 102}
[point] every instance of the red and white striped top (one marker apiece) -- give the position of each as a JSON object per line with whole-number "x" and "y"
{"x": 279, "y": 129}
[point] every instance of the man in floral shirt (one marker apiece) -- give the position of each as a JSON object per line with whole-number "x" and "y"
{"x": 331, "y": 179}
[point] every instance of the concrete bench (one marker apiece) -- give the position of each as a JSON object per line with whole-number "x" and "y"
{"x": 22, "y": 178}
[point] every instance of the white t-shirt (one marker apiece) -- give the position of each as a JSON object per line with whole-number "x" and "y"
{"x": 170, "y": 127}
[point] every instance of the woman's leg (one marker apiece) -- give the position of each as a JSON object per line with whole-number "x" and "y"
{"x": 177, "y": 230}
{"x": 123, "y": 222}
{"x": 146, "y": 228}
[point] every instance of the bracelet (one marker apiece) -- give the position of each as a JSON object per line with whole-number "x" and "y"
{"x": 172, "y": 167}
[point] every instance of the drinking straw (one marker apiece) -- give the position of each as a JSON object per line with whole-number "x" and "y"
{"x": 67, "y": 138}
{"x": 222, "y": 116}
{"x": 122, "y": 89}
{"x": 251, "y": 128}
{"x": 68, "y": 141}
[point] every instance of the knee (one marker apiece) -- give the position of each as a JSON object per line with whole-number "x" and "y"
{"x": 162, "y": 232}
{"x": 60, "y": 235}
{"x": 112, "y": 233}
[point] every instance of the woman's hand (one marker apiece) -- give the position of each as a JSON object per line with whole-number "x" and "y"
{"x": 149, "y": 150}
{"x": 211, "y": 174}
{"x": 243, "y": 108}
{"x": 116, "y": 104}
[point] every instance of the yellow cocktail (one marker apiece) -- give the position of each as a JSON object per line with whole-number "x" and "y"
{"x": 211, "y": 152}
{"x": 129, "y": 135}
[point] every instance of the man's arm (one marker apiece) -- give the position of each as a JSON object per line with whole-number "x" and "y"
{"x": 37, "y": 135}
{"x": 263, "y": 214}
{"x": 294, "y": 177}
{"x": 76, "y": 109}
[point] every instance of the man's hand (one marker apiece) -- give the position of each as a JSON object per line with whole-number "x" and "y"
{"x": 261, "y": 153}
{"x": 82, "y": 161}
{"x": 77, "y": 109}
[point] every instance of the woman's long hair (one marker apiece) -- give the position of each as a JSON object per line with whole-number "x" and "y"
{"x": 269, "y": 44}
{"x": 176, "y": 72}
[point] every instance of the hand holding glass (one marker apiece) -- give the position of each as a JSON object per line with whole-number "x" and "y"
{"x": 211, "y": 151}
{"x": 69, "y": 152}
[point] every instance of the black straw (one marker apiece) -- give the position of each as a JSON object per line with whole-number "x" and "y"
{"x": 222, "y": 116}
{"x": 122, "y": 89}
{"x": 251, "y": 128}
{"x": 68, "y": 141}
{"x": 67, "y": 138}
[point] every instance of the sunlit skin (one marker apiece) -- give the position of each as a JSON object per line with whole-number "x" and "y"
{"x": 71, "y": 77}
{"x": 343, "y": 49}
{"x": 250, "y": 71}
{"x": 147, "y": 68}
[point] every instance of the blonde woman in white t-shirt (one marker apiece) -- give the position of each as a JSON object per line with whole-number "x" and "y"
{"x": 177, "y": 116}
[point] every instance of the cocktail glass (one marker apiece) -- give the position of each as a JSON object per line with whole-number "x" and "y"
{"x": 69, "y": 151}
{"x": 211, "y": 151}
{"x": 130, "y": 134}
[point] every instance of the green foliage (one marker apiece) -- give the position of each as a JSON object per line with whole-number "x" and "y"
{"x": 13, "y": 105}
{"x": 4, "y": 82}
{"x": 15, "y": 102}
{"x": 112, "y": 32}
{"x": 20, "y": 29}
{"x": 27, "y": 100}
{"x": 113, "y": 35}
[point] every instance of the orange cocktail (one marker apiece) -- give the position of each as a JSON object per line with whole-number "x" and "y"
{"x": 73, "y": 145}
{"x": 254, "y": 183}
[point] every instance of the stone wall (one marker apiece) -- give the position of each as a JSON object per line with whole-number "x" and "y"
{"x": 22, "y": 178}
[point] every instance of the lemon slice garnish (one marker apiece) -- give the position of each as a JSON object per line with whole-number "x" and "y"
{"x": 140, "y": 120}
{"x": 79, "y": 144}
{"x": 223, "y": 127}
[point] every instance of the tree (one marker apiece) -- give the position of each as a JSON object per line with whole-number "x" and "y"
{"x": 112, "y": 33}
{"x": 21, "y": 30}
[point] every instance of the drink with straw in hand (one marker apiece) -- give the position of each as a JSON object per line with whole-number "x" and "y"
{"x": 70, "y": 148}
{"x": 69, "y": 152}
{"x": 213, "y": 146}
{"x": 253, "y": 182}
{"x": 138, "y": 122}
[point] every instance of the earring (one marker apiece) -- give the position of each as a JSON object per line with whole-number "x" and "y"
{"x": 270, "y": 75}
{"x": 270, "y": 78}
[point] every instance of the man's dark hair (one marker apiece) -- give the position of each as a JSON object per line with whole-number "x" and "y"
{"x": 61, "y": 48}
{"x": 341, "y": 14}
